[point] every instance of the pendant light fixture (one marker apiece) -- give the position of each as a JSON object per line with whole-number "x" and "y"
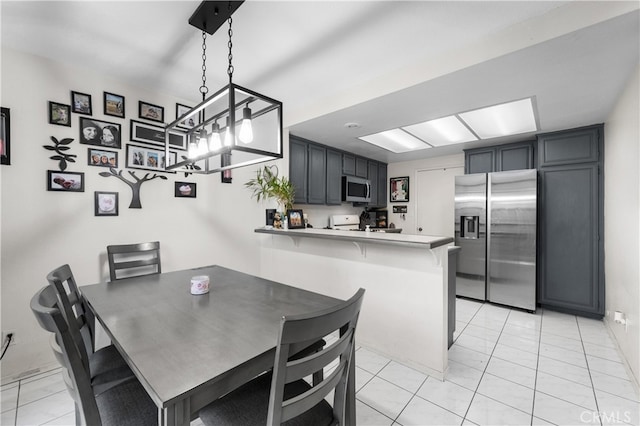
{"x": 253, "y": 122}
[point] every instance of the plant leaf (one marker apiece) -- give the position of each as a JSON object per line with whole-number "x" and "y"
{"x": 50, "y": 148}
{"x": 66, "y": 141}
{"x": 70, "y": 159}
{"x": 64, "y": 148}
{"x": 54, "y": 140}
{"x": 56, "y": 157}
{"x": 63, "y": 165}
{"x": 105, "y": 174}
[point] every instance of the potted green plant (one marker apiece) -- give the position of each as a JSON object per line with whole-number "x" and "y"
{"x": 267, "y": 185}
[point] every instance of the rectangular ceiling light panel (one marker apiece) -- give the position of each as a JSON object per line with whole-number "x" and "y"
{"x": 512, "y": 118}
{"x": 442, "y": 131}
{"x": 395, "y": 140}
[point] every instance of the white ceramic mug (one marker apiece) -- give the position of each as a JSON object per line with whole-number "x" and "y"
{"x": 200, "y": 284}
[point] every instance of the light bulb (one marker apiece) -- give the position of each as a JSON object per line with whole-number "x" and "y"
{"x": 202, "y": 142}
{"x": 246, "y": 130}
{"x": 192, "y": 152}
{"x": 214, "y": 139}
{"x": 227, "y": 134}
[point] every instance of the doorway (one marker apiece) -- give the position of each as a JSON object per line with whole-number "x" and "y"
{"x": 435, "y": 201}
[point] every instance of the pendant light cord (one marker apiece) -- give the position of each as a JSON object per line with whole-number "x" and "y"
{"x": 230, "y": 44}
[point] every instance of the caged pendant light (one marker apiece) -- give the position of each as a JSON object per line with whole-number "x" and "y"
{"x": 252, "y": 129}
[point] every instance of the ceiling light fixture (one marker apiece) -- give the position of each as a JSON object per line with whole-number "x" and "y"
{"x": 511, "y": 118}
{"x": 255, "y": 138}
{"x": 442, "y": 131}
{"x": 396, "y": 140}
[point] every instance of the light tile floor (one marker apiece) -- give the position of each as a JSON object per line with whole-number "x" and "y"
{"x": 506, "y": 367}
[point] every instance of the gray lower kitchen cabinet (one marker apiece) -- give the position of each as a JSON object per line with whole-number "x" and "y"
{"x": 298, "y": 167}
{"x": 571, "y": 225}
{"x": 334, "y": 177}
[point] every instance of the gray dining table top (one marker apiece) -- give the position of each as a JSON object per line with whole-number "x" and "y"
{"x": 178, "y": 343}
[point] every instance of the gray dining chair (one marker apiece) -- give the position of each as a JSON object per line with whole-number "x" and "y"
{"x": 132, "y": 260}
{"x": 283, "y": 396}
{"x": 120, "y": 403}
{"x": 105, "y": 364}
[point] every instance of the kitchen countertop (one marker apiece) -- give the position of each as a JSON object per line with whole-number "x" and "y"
{"x": 398, "y": 239}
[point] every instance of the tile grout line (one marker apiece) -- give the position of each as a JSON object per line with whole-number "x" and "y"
{"x": 586, "y": 360}
{"x": 535, "y": 380}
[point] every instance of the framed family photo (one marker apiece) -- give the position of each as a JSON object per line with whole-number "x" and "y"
{"x": 185, "y": 189}
{"x": 102, "y": 158}
{"x": 399, "y": 189}
{"x": 154, "y": 135}
{"x": 113, "y": 105}
{"x": 81, "y": 103}
{"x": 105, "y": 203}
{"x": 65, "y": 181}
{"x": 146, "y": 158}
{"x": 101, "y": 133}
{"x": 295, "y": 219}
{"x": 184, "y": 124}
{"x": 150, "y": 111}
{"x": 59, "y": 114}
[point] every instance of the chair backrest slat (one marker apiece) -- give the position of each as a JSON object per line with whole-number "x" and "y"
{"x": 295, "y": 329}
{"x": 130, "y": 260}
{"x": 46, "y": 308}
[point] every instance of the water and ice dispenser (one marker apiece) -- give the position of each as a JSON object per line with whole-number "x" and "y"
{"x": 470, "y": 227}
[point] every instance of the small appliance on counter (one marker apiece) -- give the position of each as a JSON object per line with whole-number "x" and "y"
{"x": 352, "y": 222}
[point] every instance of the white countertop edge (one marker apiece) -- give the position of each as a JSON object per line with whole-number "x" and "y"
{"x": 407, "y": 240}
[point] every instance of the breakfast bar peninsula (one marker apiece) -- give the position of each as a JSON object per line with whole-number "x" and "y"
{"x": 404, "y": 313}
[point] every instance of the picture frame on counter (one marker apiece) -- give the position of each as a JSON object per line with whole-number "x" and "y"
{"x": 114, "y": 105}
{"x": 399, "y": 189}
{"x": 105, "y": 203}
{"x": 102, "y": 158}
{"x": 65, "y": 181}
{"x": 295, "y": 219}
{"x": 185, "y": 189}
{"x": 81, "y": 103}
{"x": 146, "y": 158}
{"x": 154, "y": 135}
{"x": 150, "y": 111}
{"x": 59, "y": 114}
{"x": 100, "y": 133}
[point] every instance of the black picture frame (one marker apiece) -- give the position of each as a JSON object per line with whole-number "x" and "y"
{"x": 148, "y": 158}
{"x": 180, "y": 110}
{"x": 185, "y": 189}
{"x": 154, "y": 135}
{"x": 102, "y": 158}
{"x": 295, "y": 219}
{"x": 81, "y": 103}
{"x": 114, "y": 105}
{"x": 105, "y": 203}
{"x": 399, "y": 189}
{"x": 59, "y": 114}
{"x": 65, "y": 181}
{"x": 5, "y": 136}
{"x": 151, "y": 112}
{"x": 100, "y": 133}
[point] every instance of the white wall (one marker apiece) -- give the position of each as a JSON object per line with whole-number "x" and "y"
{"x": 41, "y": 230}
{"x": 622, "y": 220}
{"x": 411, "y": 169}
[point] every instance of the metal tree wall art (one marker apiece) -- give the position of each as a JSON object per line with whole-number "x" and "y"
{"x": 135, "y": 184}
{"x": 191, "y": 166}
{"x": 59, "y": 147}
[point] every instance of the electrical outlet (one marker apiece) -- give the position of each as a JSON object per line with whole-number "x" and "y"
{"x": 4, "y": 337}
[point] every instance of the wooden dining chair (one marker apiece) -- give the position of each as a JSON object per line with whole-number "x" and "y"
{"x": 132, "y": 260}
{"x": 283, "y": 396}
{"x": 122, "y": 403}
{"x": 105, "y": 364}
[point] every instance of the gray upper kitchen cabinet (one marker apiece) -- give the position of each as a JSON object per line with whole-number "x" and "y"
{"x": 382, "y": 184}
{"x": 348, "y": 164}
{"x": 317, "y": 183}
{"x": 362, "y": 167}
{"x": 334, "y": 177}
{"x": 513, "y": 156}
{"x": 298, "y": 166}
{"x": 571, "y": 224}
{"x": 372, "y": 175}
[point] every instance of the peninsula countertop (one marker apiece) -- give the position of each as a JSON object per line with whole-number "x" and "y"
{"x": 407, "y": 240}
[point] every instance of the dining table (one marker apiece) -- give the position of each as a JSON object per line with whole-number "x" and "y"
{"x": 188, "y": 350}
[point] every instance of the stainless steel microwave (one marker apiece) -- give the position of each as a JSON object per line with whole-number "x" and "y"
{"x": 356, "y": 190}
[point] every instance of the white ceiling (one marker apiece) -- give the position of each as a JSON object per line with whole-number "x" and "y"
{"x": 381, "y": 64}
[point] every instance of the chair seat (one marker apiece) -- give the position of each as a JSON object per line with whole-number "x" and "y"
{"x": 127, "y": 404}
{"x": 249, "y": 405}
{"x": 107, "y": 365}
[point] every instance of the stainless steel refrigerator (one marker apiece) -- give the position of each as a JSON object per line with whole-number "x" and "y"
{"x": 495, "y": 227}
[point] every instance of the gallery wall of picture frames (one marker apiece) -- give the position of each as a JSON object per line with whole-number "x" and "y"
{"x": 104, "y": 139}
